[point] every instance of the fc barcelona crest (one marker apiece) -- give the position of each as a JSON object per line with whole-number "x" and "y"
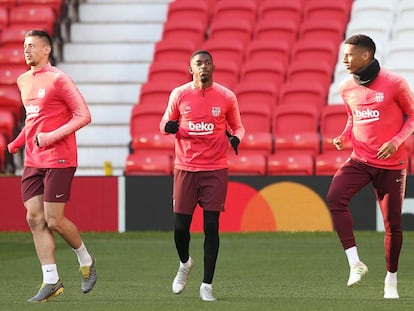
{"x": 41, "y": 93}
{"x": 215, "y": 111}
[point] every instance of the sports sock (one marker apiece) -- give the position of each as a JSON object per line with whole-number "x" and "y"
{"x": 206, "y": 285}
{"x": 185, "y": 264}
{"x": 84, "y": 258}
{"x": 391, "y": 278}
{"x": 211, "y": 244}
{"x": 352, "y": 255}
{"x": 182, "y": 235}
{"x": 50, "y": 274}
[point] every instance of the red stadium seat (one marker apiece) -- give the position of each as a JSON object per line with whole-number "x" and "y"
{"x": 281, "y": 10}
{"x": 226, "y": 73}
{"x": 3, "y": 152}
{"x": 311, "y": 93}
{"x": 246, "y": 163}
{"x": 177, "y": 29}
{"x": 323, "y": 51}
{"x": 148, "y": 163}
{"x": 302, "y": 71}
{"x": 319, "y": 30}
{"x": 327, "y": 11}
{"x": 304, "y": 141}
{"x": 12, "y": 54}
{"x": 327, "y": 163}
{"x": 295, "y": 118}
{"x": 287, "y": 163}
{"x": 189, "y": 10}
{"x": 156, "y": 94}
{"x": 257, "y": 93}
{"x": 4, "y": 17}
{"x": 8, "y": 3}
{"x": 7, "y": 124}
{"x": 225, "y": 50}
{"x": 226, "y": 29}
{"x": 332, "y": 123}
{"x": 177, "y": 50}
{"x": 10, "y": 100}
{"x": 256, "y": 117}
{"x": 152, "y": 141}
{"x": 263, "y": 71}
{"x": 235, "y": 11}
{"x": 168, "y": 71}
{"x": 10, "y": 72}
{"x": 14, "y": 33}
{"x": 56, "y": 5}
{"x": 145, "y": 119}
{"x": 278, "y": 30}
{"x": 257, "y": 142}
{"x": 32, "y": 14}
{"x": 268, "y": 50}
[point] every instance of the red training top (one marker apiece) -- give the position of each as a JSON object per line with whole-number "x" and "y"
{"x": 203, "y": 115}
{"x": 56, "y": 109}
{"x": 378, "y": 113}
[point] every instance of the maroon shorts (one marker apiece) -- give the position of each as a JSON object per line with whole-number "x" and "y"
{"x": 207, "y": 188}
{"x": 53, "y": 183}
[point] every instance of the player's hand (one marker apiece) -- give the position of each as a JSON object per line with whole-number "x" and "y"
{"x": 11, "y": 148}
{"x": 234, "y": 142}
{"x": 338, "y": 142}
{"x": 171, "y": 127}
{"x": 386, "y": 151}
{"x": 45, "y": 139}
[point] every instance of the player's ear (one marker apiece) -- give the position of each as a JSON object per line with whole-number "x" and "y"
{"x": 190, "y": 70}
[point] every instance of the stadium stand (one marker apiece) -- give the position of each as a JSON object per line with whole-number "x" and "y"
{"x": 142, "y": 36}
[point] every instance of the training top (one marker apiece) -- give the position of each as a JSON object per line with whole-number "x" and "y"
{"x": 381, "y": 112}
{"x": 203, "y": 116}
{"x": 53, "y": 105}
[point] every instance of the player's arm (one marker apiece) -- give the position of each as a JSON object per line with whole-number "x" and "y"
{"x": 169, "y": 121}
{"x": 406, "y": 101}
{"x": 18, "y": 142}
{"x": 77, "y": 105}
{"x": 235, "y": 124}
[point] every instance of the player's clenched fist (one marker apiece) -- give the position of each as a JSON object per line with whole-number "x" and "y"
{"x": 171, "y": 127}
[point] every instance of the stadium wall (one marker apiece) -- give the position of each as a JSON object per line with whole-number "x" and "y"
{"x": 262, "y": 203}
{"x": 254, "y": 203}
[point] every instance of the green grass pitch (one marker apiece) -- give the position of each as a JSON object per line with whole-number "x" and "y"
{"x": 255, "y": 271}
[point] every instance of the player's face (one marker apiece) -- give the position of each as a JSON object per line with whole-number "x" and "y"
{"x": 355, "y": 58}
{"x": 36, "y": 51}
{"x": 202, "y": 68}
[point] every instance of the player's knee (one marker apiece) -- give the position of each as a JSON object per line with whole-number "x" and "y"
{"x": 35, "y": 221}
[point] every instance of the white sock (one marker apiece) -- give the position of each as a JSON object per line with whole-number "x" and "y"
{"x": 206, "y": 285}
{"x": 84, "y": 258}
{"x": 185, "y": 264}
{"x": 352, "y": 255}
{"x": 50, "y": 274}
{"x": 391, "y": 278}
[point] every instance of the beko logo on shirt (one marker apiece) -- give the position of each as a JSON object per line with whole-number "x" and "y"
{"x": 200, "y": 128}
{"x": 32, "y": 111}
{"x": 367, "y": 115}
